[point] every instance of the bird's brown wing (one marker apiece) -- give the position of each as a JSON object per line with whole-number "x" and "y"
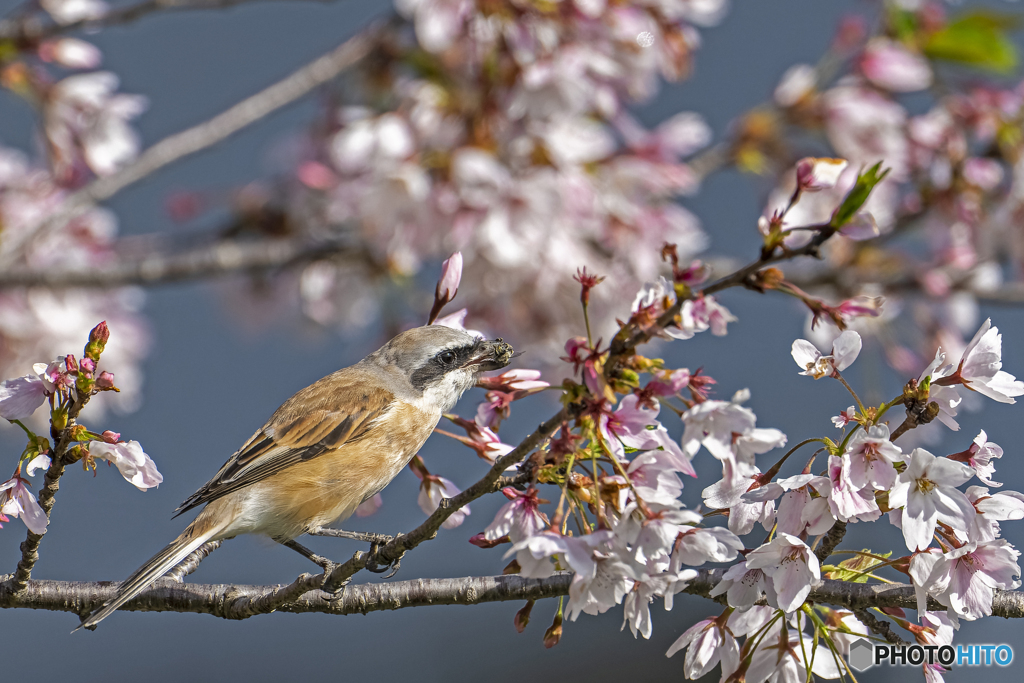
{"x": 322, "y": 417}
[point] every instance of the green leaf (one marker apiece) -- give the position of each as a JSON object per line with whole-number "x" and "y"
{"x": 856, "y": 568}
{"x": 866, "y": 182}
{"x": 977, "y": 39}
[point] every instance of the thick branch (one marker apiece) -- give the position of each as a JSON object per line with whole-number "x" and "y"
{"x": 230, "y": 602}
{"x": 214, "y": 260}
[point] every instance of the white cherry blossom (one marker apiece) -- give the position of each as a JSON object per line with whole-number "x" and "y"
{"x": 791, "y": 565}
{"x": 869, "y": 459}
{"x": 845, "y": 350}
{"x": 433, "y": 490}
{"x": 980, "y": 366}
{"x": 927, "y": 492}
{"x": 17, "y": 501}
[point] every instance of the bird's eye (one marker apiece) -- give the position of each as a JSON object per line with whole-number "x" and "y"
{"x": 447, "y": 357}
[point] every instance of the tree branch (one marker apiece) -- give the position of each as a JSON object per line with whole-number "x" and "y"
{"x": 29, "y": 30}
{"x": 231, "y": 601}
{"x": 213, "y": 260}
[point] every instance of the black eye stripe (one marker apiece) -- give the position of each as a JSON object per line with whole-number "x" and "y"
{"x": 444, "y": 361}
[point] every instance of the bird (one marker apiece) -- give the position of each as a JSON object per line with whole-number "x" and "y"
{"x": 328, "y": 448}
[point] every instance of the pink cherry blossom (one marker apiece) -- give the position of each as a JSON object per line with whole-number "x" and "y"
{"x": 434, "y": 489}
{"x": 17, "y": 501}
{"x": 790, "y": 564}
{"x": 519, "y": 518}
{"x": 135, "y": 466}
{"x": 534, "y": 553}
{"x": 847, "y": 502}
{"x": 698, "y": 545}
{"x": 707, "y": 643}
{"x": 814, "y": 174}
{"x": 926, "y": 492}
{"x": 869, "y": 459}
{"x": 743, "y": 586}
{"x": 976, "y": 570}
{"x": 890, "y": 65}
{"x": 990, "y": 510}
{"x": 21, "y": 396}
{"x": 713, "y": 424}
{"x": 611, "y": 578}
{"x": 844, "y": 418}
{"x": 980, "y": 456}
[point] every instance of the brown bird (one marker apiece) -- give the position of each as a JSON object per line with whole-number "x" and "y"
{"x": 328, "y": 448}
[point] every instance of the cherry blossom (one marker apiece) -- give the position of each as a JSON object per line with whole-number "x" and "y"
{"x": 790, "y": 564}
{"x": 980, "y": 456}
{"x": 743, "y": 586}
{"x": 434, "y": 489}
{"x": 707, "y": 643}
{"x": 40, "y": 462}
{"x": 847, "y": 502}
{"x": 926, "y": 492}
{"x": 845, "y": 350}
{"x": 21, "y": 396}
{"x": 990, "y": 510}
{"x": 979, "y": 368}
{"x": 869, "y": 459}
{"x": 780, "y": 658}
{"x": 713, "y": 424}
{"x": 135, "y": 466}
{"x": 814, "y": 175}
{"x": 534, "y": 553}
{"x": 890, "y": 65}
{"x": 17, "y": 501}
{"x": 519, "y": 518}
{"x": 975, "y": 571}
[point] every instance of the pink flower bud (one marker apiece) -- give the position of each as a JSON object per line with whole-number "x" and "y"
{"x": 315, "y": 175}
{"x": 88, "y": 365}
{"x": 100, "y": 333}
{"x": 523, "y": 617}
{"x": 70, "y": 364}
{"x": 814, "y": 174}
{"x": 111, "y": 437}
{"x": 71, "y": 52}
{"x": 480, "y": 541}
{"x": 451, "y": 276}
{"x": 105, "y": 380}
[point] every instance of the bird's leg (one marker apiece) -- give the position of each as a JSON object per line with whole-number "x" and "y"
{"x": 376, "y": 541}
{"x": 325, "y": 564}
{"x": 318, "y": 560}
{"x": 372, "y": 539}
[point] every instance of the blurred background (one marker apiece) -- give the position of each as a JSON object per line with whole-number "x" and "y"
{"x": 212, "y": 377}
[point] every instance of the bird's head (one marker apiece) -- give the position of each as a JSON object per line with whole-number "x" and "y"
{"x": 440, "y": 362}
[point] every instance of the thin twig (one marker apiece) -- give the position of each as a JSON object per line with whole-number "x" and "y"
{"x": 206, "y": 134}
{"x": 214, "y": 260}
{"x": 31, "y": 29}
{"x": 51, "y": 483}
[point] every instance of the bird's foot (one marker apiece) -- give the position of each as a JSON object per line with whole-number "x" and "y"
{"x": 373, "y": 566}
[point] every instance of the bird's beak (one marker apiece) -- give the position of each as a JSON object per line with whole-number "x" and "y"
{"x": 491, "y": 355}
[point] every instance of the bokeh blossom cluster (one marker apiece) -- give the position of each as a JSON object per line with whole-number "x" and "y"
{"x": 84, "y": 133}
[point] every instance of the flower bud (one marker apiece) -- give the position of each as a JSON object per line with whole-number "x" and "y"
{"x": 106, "y": 381}
{"x": 88, "y": 365}
{"x": 111, "y": 437}
{"x": 481, "y": 542}
{"x": 70, "y": 364}
{"x": 523, "y": 617}
{"x": 97, "y": 341}
{"x": 554, "y": 634}
{"x": 447, "y": 285}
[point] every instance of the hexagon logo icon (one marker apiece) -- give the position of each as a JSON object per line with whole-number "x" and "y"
{"x": 861, "y": 654}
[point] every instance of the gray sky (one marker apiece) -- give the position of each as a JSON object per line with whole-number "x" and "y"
{"x": 210, "y": 382}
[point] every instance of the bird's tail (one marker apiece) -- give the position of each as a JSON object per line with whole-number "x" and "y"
{"x": 157, "y": 566}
